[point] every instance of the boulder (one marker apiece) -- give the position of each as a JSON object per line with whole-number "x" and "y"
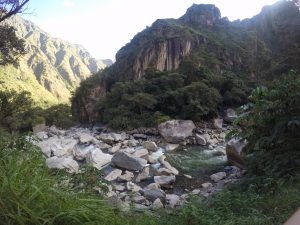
{"x": 98, "y": 159}
{"x": 106, "y": 138}
{"x": 80, "y": 153}
{"x": 127, "y": 176}
{"x": 218, "y": 123}
{"x": 115, "y": 148}
{"x": 176, "y": 131}
{"x": 171, "y": 147}
{"x": 143, "y": 175}
{"x": 119, "y": 187}
{"x": 157, "y": 204}
{"x": 153, "y": 194}
{"x": 168, "y": 166}
{"x": 229, "y": 115}
{"x": 55, "y": 146}
{"x": 127, "y": 161}
{"x": 173, "y": 200}
{"x": 150, "y": 146}
{"x": 235, "y": 152}
{"x": 201, "y": 140}
{"x": 39, "y": 128}
{"x": 164, "y": 180}
{"x": 140, "y": 152}
{"x": 62, "y": 163}
{"x": 113, "y": 175}
{"x": 206, "y": 185}
{"x": 218, "y": 176}
{"x": 139, "y": 199}
{"x": 85, "y": 138}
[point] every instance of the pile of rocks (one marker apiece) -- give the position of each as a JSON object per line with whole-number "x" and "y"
{"x": 138, "y": 171}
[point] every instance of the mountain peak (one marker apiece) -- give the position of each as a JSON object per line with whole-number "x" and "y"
{"x": 201, "y": 15}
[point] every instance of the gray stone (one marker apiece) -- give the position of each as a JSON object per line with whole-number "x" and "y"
{"x": 139, "y": 199}
{"x": 133, "y": 187}
{"x": 206, "y": 185}
{"x": 113, "y": 175}
{"x": 115, "y": 148}
{"x": 143, "y": 175}
{"x": 168, "y": 166}
{"x": 81, "y": 153}
{"x": 218, "y": 123}
{"x": 127, "y": 176}
{"x": 164, "y": 180}
{"x": 119, "y": 187}
{"x": 153, "y": 186}
{"x": 129, "y": 162}
{"x": 230, "y": 115}
{"x": 150, "y": 146}
{"x": 153, "y": 194}
{"x": 62, "y": 163}
{"x": 141, "y": 152}
{"x": 201, "y": 140}
{"x": 106, "y": 138}
{"x": 171, "y": 147}
{"x": 85, "y": 138}
{"x": 176, "y": 131}
{"x": 235, "y": 152}
{"x": 218, "y": 176}
{"x": 157, "y": 204}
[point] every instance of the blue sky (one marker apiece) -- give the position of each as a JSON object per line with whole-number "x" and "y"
{"x": 104, "y": 26}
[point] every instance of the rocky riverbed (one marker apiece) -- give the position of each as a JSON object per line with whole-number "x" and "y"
{"x": 147, "y": 168}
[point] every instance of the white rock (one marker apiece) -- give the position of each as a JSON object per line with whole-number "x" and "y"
{"x": 140, "y": 152}
{"x": 173, "y": 200}
{"x": 201, "y": 140}
{"x": 98, "y": 159}
{"x": 127, "y": 176}
{"x": 113, "y": 175}
{"x": 143, "y": 175}
{"x": 63, "y": 163}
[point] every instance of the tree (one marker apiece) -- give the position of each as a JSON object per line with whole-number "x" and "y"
{"x": 9, "y": 8}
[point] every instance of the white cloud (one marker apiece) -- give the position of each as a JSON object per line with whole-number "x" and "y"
{"x": 68, "y": 3}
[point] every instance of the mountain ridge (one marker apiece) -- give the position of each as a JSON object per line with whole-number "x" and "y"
{"x": 57, "y": 65}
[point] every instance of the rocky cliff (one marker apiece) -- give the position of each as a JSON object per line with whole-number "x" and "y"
{"x": 254, "y": 50}
{"x": 53, "y": 66}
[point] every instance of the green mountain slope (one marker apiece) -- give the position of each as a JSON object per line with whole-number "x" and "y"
{"x": 51, "y": 69}
{"x": 202, "y": 47}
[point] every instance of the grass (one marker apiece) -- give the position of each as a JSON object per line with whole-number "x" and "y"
{"x": 29, "y": 194}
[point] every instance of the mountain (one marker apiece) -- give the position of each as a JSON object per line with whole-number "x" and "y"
{"x": 52, "y": 68}
{"x": 201, "y": 44}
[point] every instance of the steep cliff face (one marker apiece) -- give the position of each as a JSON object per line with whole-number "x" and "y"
{"x": 253, "y": 49}
{"x": 57, "y": 65}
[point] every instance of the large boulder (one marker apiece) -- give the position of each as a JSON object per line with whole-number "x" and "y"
{"x": 55, "y": 146}
{"x": 98, "y": 159}
{"x": 127, "y": 161}
{"x": 176, "y": 131}
{"x": 85, "y": 138}
{"x": 235, "y": 152}
{"x": 201, "y": 140}
{"x": 229, "y": 115}
{"x": 153, "y": 194}
{"x": 62, "y": 163}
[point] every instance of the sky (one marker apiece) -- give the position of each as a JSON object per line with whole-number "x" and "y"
{"x": 104, "y": 26}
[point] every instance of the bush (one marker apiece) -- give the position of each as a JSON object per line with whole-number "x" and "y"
{"x": 272, "y": 127}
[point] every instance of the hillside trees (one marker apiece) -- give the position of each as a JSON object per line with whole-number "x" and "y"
{"x": 11, "y": 47}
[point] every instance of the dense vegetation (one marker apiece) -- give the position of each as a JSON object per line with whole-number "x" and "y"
{"x": 193, "y": 93}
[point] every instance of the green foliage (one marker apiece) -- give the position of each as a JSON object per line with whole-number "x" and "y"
{"x": 271, "y": 124}
{"x": 59, "y": 115}
{"x": 11, "y": 47}
{"x": 15, "y": 110}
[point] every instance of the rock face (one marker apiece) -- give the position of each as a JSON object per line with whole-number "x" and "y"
{"x": 202, "y": 15}
{"x": 235, "y": 152}
{"x": 175, "y": 131}
{"x": 127, "y": 161}
{"x": 52, "y": 65}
